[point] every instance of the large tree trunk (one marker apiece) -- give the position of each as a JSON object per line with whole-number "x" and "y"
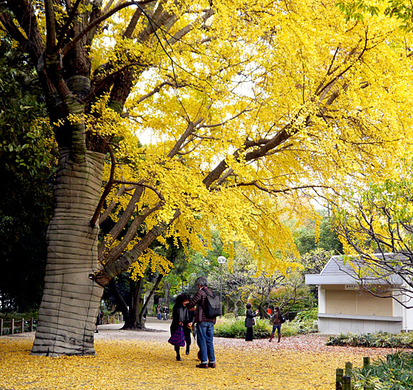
{"x": 71, "y": 299}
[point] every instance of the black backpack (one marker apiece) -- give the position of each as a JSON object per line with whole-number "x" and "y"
{"x": 212, "y": 306}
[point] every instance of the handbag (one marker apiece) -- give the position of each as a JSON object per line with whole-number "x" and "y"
{"x": 178, "y": 337}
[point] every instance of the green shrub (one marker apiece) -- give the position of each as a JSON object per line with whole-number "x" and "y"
{"x": 16, "y": 315}
{"x": 308, "y": 315}
{"x": 233, "y": 328}
{"x": 230, "y": 327}
{"x": 395, "y": 372}
{"x": 375, "y": 340}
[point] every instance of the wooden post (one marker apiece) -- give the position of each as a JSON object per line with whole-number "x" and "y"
{"x": 366, "y": 362}
{"x": 31, "y": 325}
{"x": 1, "y": 326}
{"x": 349, "y": 369}
{"x": 347, "y": 382}
{"x": 339, "y": 379}
{"x": 12, "y": 326}
{"x": 22, "y": 325}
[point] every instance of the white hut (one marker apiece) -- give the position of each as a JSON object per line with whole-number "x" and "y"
{"x": 344, "y": 307}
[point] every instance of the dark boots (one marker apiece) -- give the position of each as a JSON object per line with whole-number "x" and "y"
{"x": 178, "y": 356}
{"x": 272, "y": 336}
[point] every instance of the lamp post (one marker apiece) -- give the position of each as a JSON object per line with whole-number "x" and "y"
{"x": 221, "y": 260}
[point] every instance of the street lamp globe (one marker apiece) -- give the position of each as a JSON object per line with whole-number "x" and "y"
{"x": 221, "y": 259}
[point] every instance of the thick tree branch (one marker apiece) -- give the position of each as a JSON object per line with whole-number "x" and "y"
{"x": 113, "y": 268}
{"x": 99, "y": 20}
{"x": 50, "y": 26}
{"x": 191, "y": 127}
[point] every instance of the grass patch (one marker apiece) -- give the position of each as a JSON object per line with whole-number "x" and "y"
{"x": 393, "y": 373}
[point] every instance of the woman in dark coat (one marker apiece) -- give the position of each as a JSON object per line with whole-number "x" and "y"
{"x": 180, "y": 316}
{"x": 249, "y": 322}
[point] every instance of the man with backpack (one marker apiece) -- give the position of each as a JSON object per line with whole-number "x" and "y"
{"x": 205, "y": 318}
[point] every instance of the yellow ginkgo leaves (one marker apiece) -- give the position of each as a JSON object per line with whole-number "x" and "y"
{"x": 301, "y": 364}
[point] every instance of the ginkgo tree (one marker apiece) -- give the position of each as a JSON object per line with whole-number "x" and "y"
{"x": 250, "y": 106}
{"x": 376, "y": 228}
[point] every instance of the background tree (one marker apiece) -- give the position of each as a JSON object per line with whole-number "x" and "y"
{"x": 27, "y": 153}
{"x": 133, "y": 291}
{"x": 310, "y": 237}
{"x": 252, "y": 106}
{"x": 378, "y": 222}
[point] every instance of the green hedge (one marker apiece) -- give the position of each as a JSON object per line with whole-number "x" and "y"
{"x": 232, "y": 328}
{"x": 376, "y": 340}
{"x": 235, "y": 328}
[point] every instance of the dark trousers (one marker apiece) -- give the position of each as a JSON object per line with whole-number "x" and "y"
{"x": 187, "y": 333}
{"x": 249, "y": 334}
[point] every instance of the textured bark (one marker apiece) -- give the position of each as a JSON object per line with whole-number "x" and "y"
{"x": 71, "y": 300}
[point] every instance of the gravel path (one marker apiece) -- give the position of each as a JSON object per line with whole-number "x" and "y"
{"x": 159, "y": 331}
{"x": 155, "y": 331}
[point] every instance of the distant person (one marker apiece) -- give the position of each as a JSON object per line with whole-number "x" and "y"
{"x": 99, "y": 321}
{"x": 204, "y": 325}
{"x": 159, "y": 312}
{"x": 250, "y": 322}
{"x": 276, "y": 324}
{"x": 165, "y": 312}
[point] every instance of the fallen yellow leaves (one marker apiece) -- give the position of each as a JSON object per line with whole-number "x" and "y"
{"x": 136, "y": 364}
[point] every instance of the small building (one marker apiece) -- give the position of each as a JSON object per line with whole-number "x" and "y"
{"x": 343, "y": 306}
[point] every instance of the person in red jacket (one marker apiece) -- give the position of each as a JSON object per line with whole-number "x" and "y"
{"x": 276, "y": 321}
{"x": 204, "y": 325}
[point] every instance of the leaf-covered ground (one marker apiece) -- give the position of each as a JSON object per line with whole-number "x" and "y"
{"x": 302, "y": 362}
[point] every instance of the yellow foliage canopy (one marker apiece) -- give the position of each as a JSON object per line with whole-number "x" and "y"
{"x": 239, "y": 112}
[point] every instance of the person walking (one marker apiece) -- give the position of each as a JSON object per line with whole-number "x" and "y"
{"x": 99, "y": 321}
{"x": 180, "y": 317}
{"x": 249, "y": 322}
{"x": 204, "y": 325}
{"x": 165, "y": 312}
{"x": 276, "y": 321}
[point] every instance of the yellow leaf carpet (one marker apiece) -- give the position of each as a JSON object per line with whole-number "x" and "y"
{"x": 302, "y": 362}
